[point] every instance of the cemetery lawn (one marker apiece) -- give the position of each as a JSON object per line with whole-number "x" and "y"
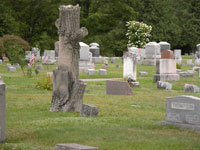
{"x": 124, "y": 122}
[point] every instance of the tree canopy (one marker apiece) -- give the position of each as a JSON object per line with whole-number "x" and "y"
{"x": 177, "y": 22}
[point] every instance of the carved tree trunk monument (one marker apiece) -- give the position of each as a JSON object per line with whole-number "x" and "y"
{"x": 68, "y": 90}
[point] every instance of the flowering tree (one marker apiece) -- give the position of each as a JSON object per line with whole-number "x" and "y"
{"x": 138, "y": 34}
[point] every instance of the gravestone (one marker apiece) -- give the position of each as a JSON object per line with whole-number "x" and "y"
{"x": 1, "y": 61}
{"x": 11, "y": 68}
{"x": 197, "y": 62}
{"x": 102, "y": 72}
{"x": 129, "y": 66}
{"x": 191, "y": 88}
{"x": 189, "y": 62}
{"x": 177, "y": 56}
{"x": 199, "y": 72}
{"x": 167, "y": 54}
{"x": 68, "y": 90}
{"x": 73, "y": 146}
{"x": 164, "y": 46}
{"x": 51, "y": 57}
{"x": 198, "y": 50}
{"x": 36, "y": 52}
{"x": 164, "y": 85}
{"x": 143, "y": 73}
{"x": 2, "y": 111}
{"x": 95, "y": 51}
{"x": 84, "y": 51}
{"x": 183, "y": 111}
{"x": 152, "y": 52}
{"x": 89, "y": 111}
{"x": 166, "y": 70}
{"x": 94, "y": 44}
{"x": 97, "y": 60}
{"x": 118, "y": 88}
{"x": 91, "y": 72}
{"x": 27, "y": 55}
{"x": 187, "y": 73}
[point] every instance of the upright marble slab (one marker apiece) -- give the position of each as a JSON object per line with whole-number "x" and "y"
{"x": 129, "y": 66}
{"x": 2, "y": 111}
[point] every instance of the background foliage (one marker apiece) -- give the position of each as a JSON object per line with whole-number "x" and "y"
{"x": 177, "y": 22}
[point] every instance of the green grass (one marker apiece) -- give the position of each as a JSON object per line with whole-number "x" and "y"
{"x": 124, "y": 122}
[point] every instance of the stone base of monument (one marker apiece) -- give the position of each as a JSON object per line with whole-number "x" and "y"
{"x": 134, "y": 84}
{"x": 149, "y": 62}
{"x": 84, "y": 66}
{"x": 73, "y": 146}
{"x": 181, "y": 125}
{"x": 166, "y": 77}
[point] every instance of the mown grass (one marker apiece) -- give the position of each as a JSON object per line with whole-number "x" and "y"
{"x": 124, "y": 122}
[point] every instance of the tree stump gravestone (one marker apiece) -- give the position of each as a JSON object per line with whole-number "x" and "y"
{"x": 68, "y": 90}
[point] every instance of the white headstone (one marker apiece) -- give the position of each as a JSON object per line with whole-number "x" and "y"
{"x": 84, "y": 51}
{"x": 129, "y": 66}
{"x": 152, "y": 49}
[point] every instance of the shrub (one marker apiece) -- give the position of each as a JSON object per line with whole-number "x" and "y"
{"x": 178, "y": 66}
{"x": 45, "y": 83}
{"x": 138, "y": 34}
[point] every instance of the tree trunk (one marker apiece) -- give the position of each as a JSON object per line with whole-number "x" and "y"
{"x": 68, "y": 90}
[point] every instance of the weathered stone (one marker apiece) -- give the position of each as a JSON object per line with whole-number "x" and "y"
{"x": 134, "y": 84}
{"x": 143, "y": 73}
{"x": 187, "y": 74}
{"x": 2, "y": 111}
{"x": 166, "y": 66}
{"x": 197, "y": 62}
{"x": 95, "y": 51}
{"x": 199, "y": 72}
{"x": 129, "y": 66}
{"x": 117, "y": 66}
{"x": 97, "y": 60}
{"x": 164, "y": 46}
{"x": 118, "y": 88}
{"x": 198, "y": 50}
{"x": 11, "y": 68}
{"x": 183, "y": 109}
{"x": 189, "y": 62}
{"x": 89, "y": 110}
{"x": 94, "y": 44}
{"x": 167, "y": 54}
{"x": 166, "y": 70}
{"x": 1, "y": 61}
{"x": 164, "y": 85}
{"x": 84, "y": 51}
{"x": 191, "y": 88}
{"x": 72, "y": 146}
{"x": 91, "y": 72}
{"x": 102, "y": 72}
{"x": 68, "y": 90}
{"x": 152, "y": 50}
{"x": 177, "y": 54}
{"x": 113, "y": 60}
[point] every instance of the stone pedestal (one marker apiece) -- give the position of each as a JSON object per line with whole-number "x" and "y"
{"x": 164, "y": 46}
{"x": 166, "y": 70}
{"x": 2, "y": 111}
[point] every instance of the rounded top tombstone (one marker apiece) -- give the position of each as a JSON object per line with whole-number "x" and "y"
{"x": 152, "y": 48}
{"x": 94, "y": 44}
{"x": 164, "y": 45}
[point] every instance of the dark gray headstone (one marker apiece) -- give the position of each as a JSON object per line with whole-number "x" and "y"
{"x": 2, "y": 111}
{"x": 118, "y": 88}
{"x": 183, "y": 109}
{"x": 89, "y": 110}
{"x": 73, "y": 146}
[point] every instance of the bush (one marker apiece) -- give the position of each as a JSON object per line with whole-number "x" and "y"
{"x": 178, "y": 66}
{"x": 138, "y": 34}
{"x": 45, "y": 83}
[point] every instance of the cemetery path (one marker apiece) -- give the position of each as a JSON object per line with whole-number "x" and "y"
{"x": 99, "y": 79}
